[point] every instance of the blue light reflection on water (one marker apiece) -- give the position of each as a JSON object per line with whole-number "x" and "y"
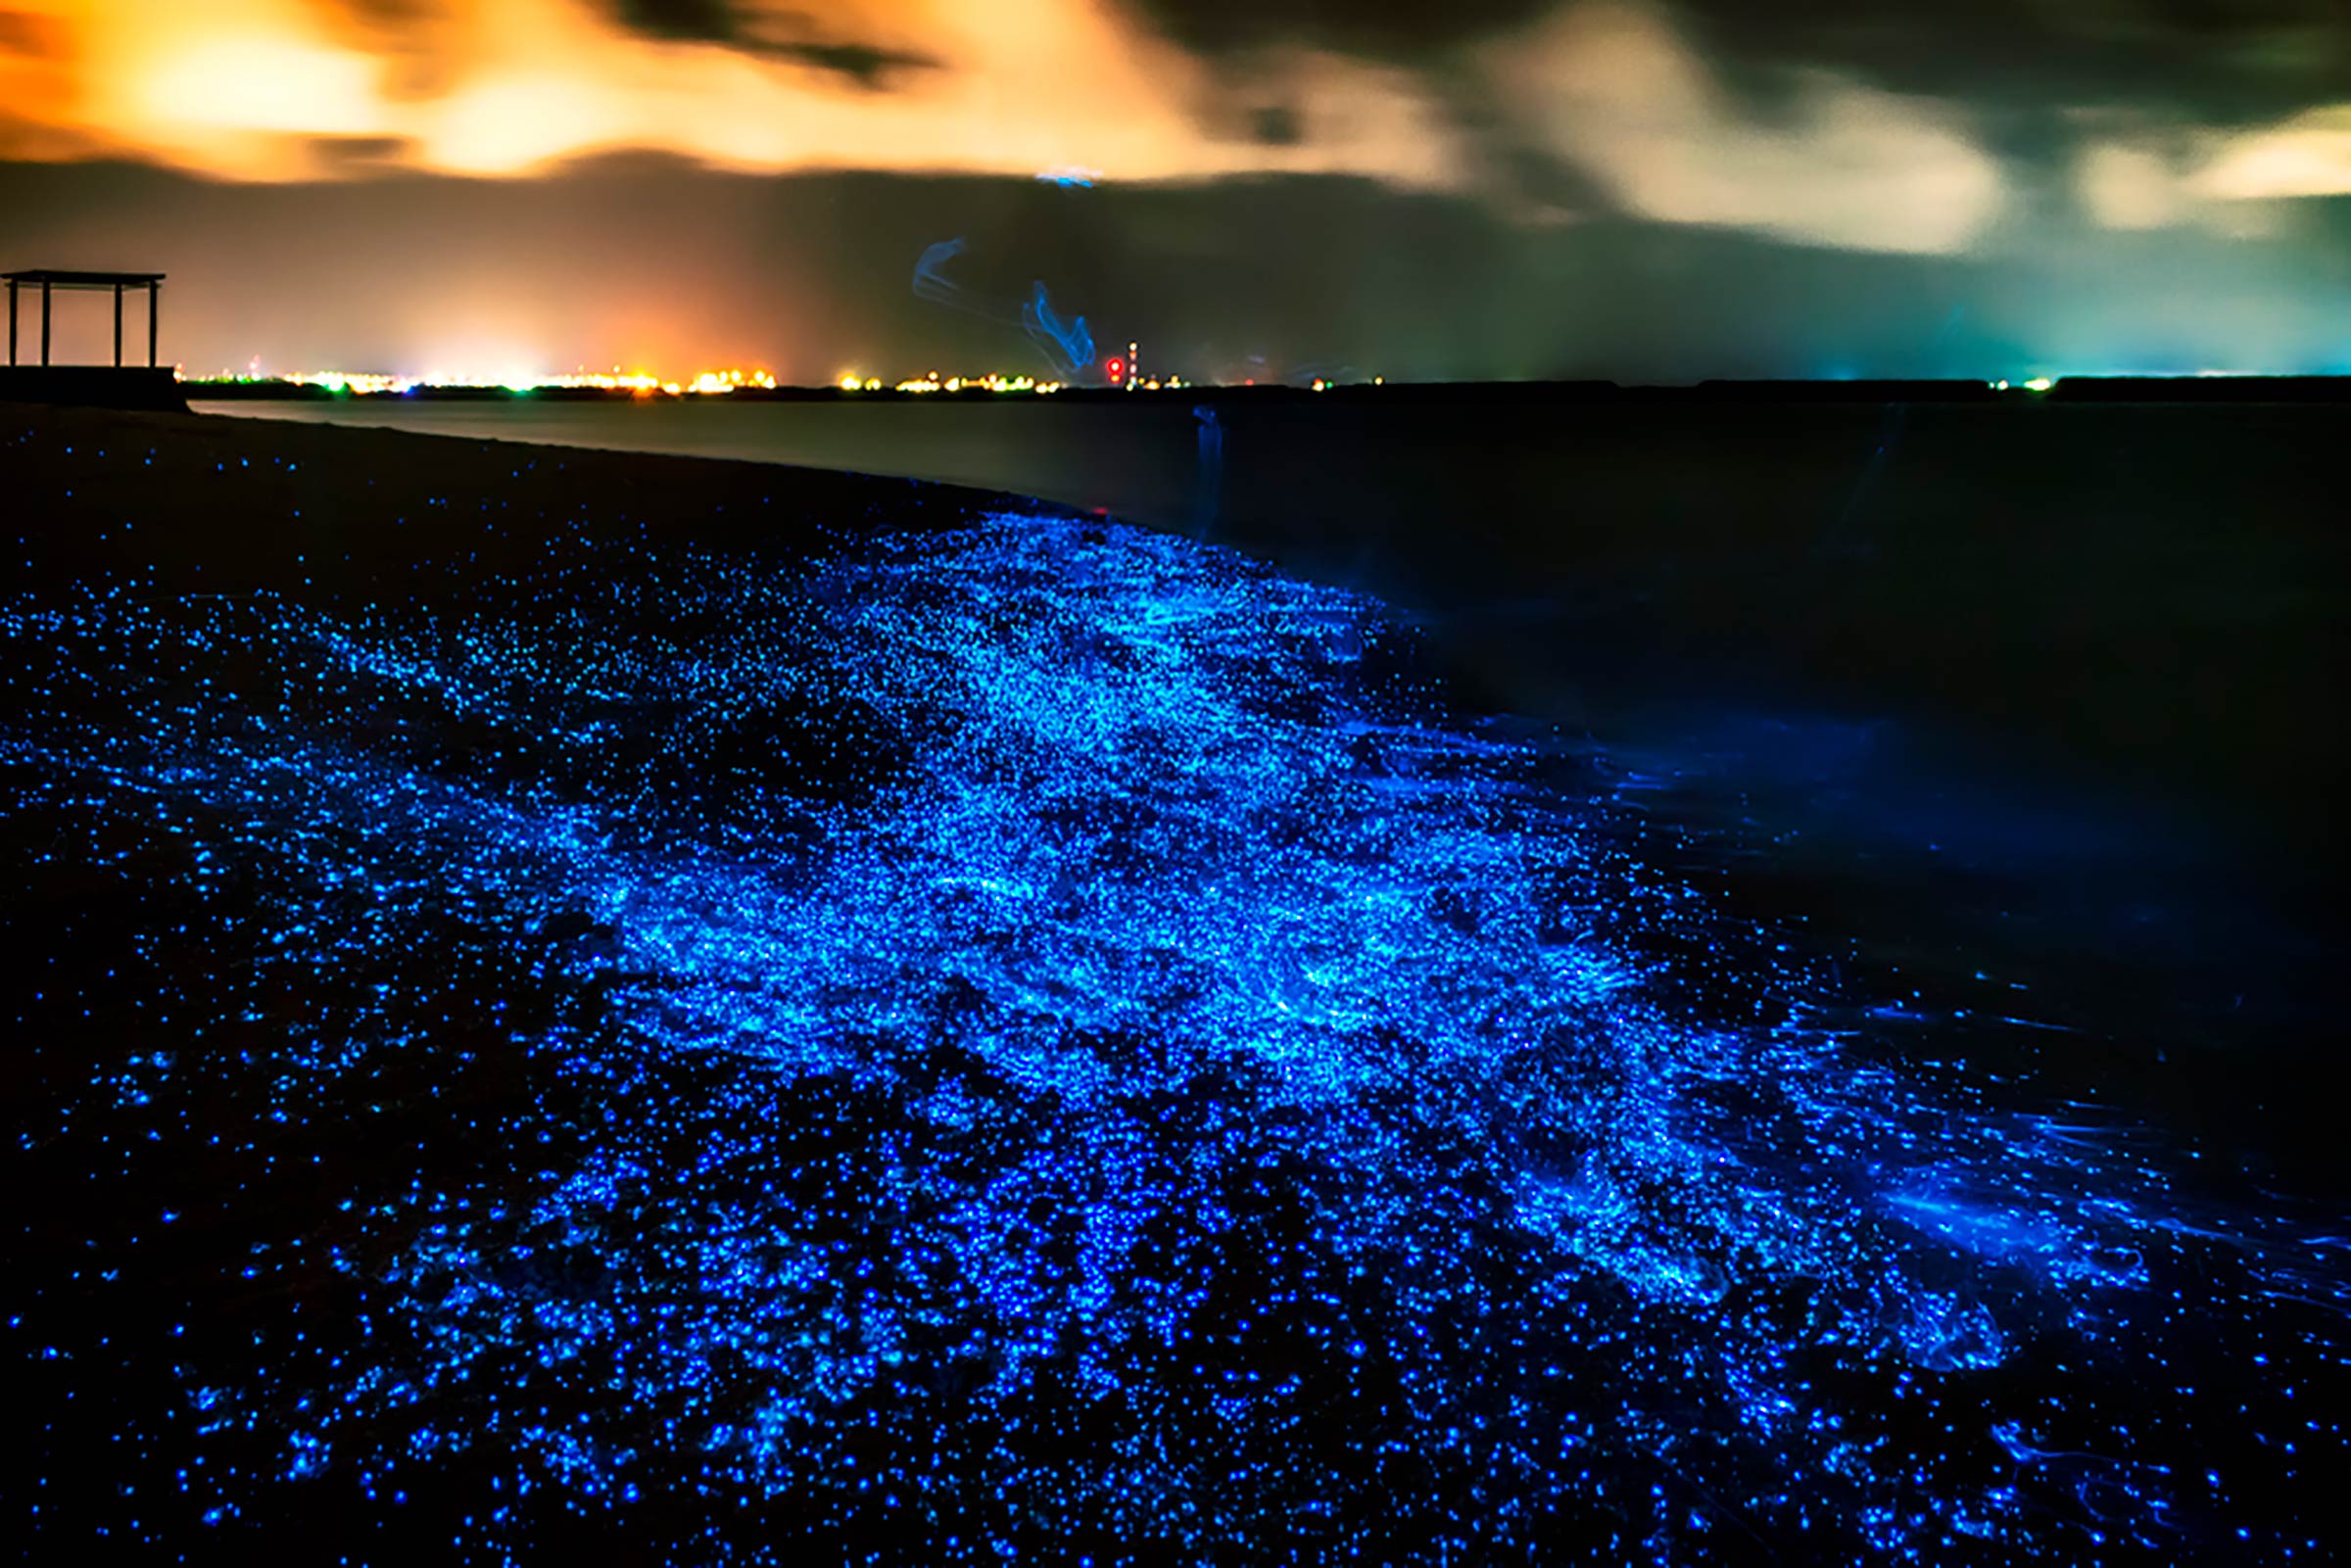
{"x": 1048, "y": 1035}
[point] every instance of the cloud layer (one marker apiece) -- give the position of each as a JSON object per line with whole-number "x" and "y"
{"x": 1614, "y": 90}
{"x": 1843, "y": 123}
{"x": 261, "y": 89}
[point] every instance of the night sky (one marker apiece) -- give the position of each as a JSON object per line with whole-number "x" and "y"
{"x": 1481, "y": 188}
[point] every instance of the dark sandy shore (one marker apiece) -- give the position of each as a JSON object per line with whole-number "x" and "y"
{"x": 575, "y": 1003}
{"x": 179, "y": 503}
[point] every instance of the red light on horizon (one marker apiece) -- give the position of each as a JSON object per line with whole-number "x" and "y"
{"x": 1117, "y": 368}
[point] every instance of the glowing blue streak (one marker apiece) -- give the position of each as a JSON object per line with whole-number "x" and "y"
{"x": 1066, "y": 343}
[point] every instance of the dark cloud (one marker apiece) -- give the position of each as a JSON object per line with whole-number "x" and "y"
{"x": 1395, "y": 30}
{"x": 30, "y": 37}
{"x": 863, "y": 63}
{"x": 701, "y": 20}
{"x": 788, "y": 35}
{"x": 356, "y": 155}
{"x": 2222, "y": 59}
{"x": 2020, "y": 60}
{"x": 1277, "y": 125}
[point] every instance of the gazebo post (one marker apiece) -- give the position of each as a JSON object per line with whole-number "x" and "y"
{"x": 115, "y": 283}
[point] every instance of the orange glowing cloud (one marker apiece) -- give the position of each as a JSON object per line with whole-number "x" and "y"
{"x": 39, "y": 80}
{"x": 266, "y": 90}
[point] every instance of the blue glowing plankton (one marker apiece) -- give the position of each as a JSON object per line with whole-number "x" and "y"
{"x": 1034, "y": 1041}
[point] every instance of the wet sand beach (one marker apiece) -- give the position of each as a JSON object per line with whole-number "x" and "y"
{"x": 710, "y": 1010}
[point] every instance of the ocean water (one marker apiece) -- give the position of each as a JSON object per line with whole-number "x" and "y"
{"x": 1057, "y": 1040}
{"x": 2145, "y": 595}
{"x": 2041, "y": 694}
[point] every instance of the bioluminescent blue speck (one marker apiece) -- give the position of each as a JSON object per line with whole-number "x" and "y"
{"x": 1049, "y": 1040}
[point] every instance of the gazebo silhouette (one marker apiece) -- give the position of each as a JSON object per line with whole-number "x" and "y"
{"x": 47, "y": 281}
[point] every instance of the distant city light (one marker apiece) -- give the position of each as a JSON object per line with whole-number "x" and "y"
{"x": 644, "y": 384}
{"x": 352, "y": 381}
{"x": 717, "y": 383}
{"x": 1121, "y": 373}
{"x": 934, "y": 382}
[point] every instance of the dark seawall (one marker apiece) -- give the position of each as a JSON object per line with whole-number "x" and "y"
{"x": 76, "y": 386}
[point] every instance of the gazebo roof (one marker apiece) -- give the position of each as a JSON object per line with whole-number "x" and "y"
{"x": 84, "y": 280}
